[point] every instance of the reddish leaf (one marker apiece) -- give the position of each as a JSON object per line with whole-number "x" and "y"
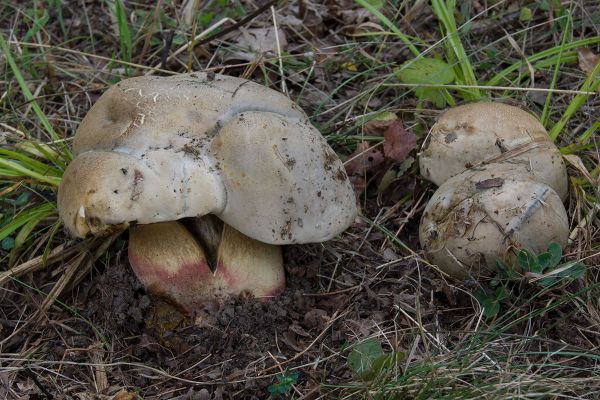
{"x": 365, "y": 159}
{"x": 398, "y": 141}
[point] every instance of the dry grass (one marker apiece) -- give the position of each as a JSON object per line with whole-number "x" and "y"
{"x": 59, "y": 337}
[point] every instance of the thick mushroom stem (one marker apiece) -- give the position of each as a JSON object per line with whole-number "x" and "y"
{"x": 171, "y": 264}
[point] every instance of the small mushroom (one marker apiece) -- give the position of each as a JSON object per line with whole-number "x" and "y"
{"x": 478, "y": 134}
{"x": 153, "y": 150}
{"x": 480, "y": 216}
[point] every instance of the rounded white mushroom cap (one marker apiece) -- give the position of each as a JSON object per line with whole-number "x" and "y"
{"x": 191, "y": 145}
{"x": 482, "y": 133}
{"x": 480, "y": 216}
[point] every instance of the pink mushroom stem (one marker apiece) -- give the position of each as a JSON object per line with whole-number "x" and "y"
{"x": 171, "y": 263}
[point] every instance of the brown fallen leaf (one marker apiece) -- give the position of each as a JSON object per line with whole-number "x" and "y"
{"x": 377, "y": 161}
{"x": 125, "y": 395}
{"x": 252, "y": 43}
{"x": 364, "y": 159}
{"x": 587, "y": 59}
{"x": 399, "y": 142}
{"x": 359, "y": 183}
{"x": 378, "y": 125}
{"x": 576, "y": 162}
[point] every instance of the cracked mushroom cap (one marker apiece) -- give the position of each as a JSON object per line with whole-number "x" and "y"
{"x": 478, "y": 134}
{"x": 480, "y": 216}
{"x": 155, "y": 149}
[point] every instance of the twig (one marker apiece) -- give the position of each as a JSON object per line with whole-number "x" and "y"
{"x": 198, "y": 41}
{"x": 281, "y": 72}
{"x": 37, "y": 263}
{"x": 37, "y": 383}
{"x": 165, "y": 53}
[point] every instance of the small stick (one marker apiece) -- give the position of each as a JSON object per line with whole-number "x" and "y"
{"x": 37, "y": 263}
{"x": 283, "y": 86}
{"x": 198, "y": 41}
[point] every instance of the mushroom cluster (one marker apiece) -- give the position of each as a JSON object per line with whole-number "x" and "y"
{"x": 501, "y": 186}
{"x": 212, "y": 173}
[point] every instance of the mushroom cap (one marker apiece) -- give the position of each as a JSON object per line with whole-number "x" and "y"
{"x": 479, "y": 216}
{"x": 194, "y": 145}
{"x": 477, "y": 134}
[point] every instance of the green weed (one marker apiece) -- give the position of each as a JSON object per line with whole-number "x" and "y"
{"x": 285, "y": 380}
{"x": 368, "y": 359}
{"x": 543, "y": 270}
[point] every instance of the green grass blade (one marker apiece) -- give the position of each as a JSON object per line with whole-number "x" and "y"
{"x": 15, "y": 169}
{"x": 546, "y": 111}
{"x": 455, "y": 49}
{"x": 31, "y": 164}
{"x": 390, "y": 25}
{"x": 587, "y": 135}
{"x": 36, "y": 213}
{"x": 591, "y": 84}
{"x": 496, "y": 79}
{"x": 124, "y": 32}
{"x": 26, "y": 92}
{"x": 38, "y": 24}
{"x": 45, "y": 151}
{"x": 28, "y": 227}
{"x": 58, "y": 7}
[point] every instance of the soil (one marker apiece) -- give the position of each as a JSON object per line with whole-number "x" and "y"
{"x": 234, "y": 349}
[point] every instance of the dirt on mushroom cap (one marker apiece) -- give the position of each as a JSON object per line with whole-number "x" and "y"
{"x": 478, "y": 217}
{"x": 257, "y": 153}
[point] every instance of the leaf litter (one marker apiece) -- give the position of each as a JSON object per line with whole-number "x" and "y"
{"x": 100, "y": 340}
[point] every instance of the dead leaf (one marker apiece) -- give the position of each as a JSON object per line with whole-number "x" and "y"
{"x": 253, "y": 43}
{"x": 365, "y": 159}
{"x": 489, "y": 183}
{"x": 306, "y": 15}
{"x": 390, "y": 255}
{"x": 125, "y": 395}
{"x": 26, "y": 386}
{"x": 315, "y": 319}
{"x": 587, "y": 59}
{"x": 576, "y": 162}
{"x": 399, "y": 142}
{"x": 358, "y": 183}
{"x": 378, "y": 125}
{"x": 298, "y": 330}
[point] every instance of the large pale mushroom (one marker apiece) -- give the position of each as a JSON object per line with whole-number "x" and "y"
{"x": 155, "y": 150}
